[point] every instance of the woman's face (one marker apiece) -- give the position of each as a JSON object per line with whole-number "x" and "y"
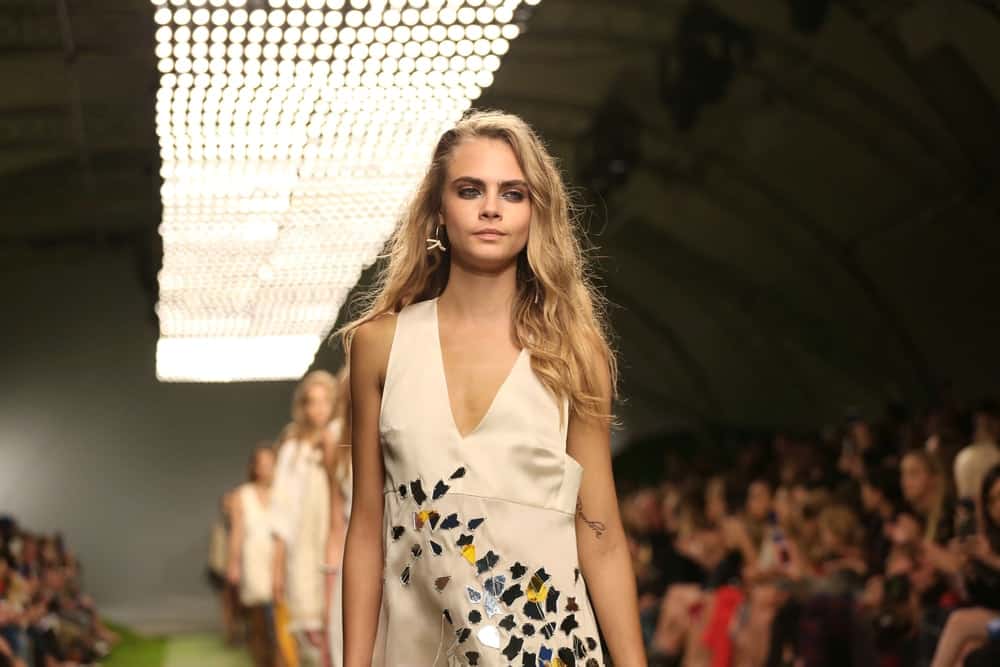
{"x": 993, "y": 502}
{"x": 758, "y": 501}
{"x": 263, "y": 466}
{"x": 783, "y": 508}
{"x": 317, "y": 405}
{"x": 915, "y": 479}
{"x": 715, "y": 502}
{"x": 485, "y": 205}
{"x": 828, "y": 539}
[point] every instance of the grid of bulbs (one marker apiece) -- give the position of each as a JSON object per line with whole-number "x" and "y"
{"x": 291, "y": 132}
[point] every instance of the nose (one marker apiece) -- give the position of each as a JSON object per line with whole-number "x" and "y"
{"x": 491, "y": 206}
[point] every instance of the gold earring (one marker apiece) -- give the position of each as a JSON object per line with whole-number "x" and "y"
{"x": 434, "y": 243}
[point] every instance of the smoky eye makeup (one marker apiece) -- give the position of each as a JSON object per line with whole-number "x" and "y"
{"x": 513, "y": 191}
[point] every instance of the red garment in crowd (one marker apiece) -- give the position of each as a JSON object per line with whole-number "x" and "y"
{"x": 716, "y": 636}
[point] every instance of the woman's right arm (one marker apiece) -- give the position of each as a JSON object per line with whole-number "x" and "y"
{"x": 363, "y": 551}
{"x": 233, "y": 567}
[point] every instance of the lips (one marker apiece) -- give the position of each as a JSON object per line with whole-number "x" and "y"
{"x": 490, "y": 231}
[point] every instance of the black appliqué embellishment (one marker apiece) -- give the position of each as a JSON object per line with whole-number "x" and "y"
{"x": 513, "y": 648}
{"x": 528, "y": 630}
{"x": 517, "y": 571}
{"x": 569, "y": 624}
{"x": 549, "y": 629}
{"x": 450, "y": 521}
{"x": 463, "y": 634}
{"x": 475, "y": 616}
{"x": 579, "y": 648}
{"x": 567, "y": 657}
{"x": 458, "y": 474}
{"x": 440, "y": 489}
{"x": 495, "y": 585}
{"x": 533, "y": 610}
{"x": 436, "y": 548}
{"x": 487, "y": 562}
{"x": 591, "y": 643}
{"x": 508, "y": 622}
{"x": 473, "y": 657}
{"x": 464, "y": 540}
{"x": 511, "y": 594}
{"x": 475, "y": 523}
{"x": 397, "y": 532}
{"x": 402, "y": 490}
{"x": 576, "y": 575}
{"x": 417, "y": 489}
{"x": 405, "y": 576}
{"x": 447, "y": 615}
{"x": 416, "y": 551}
{"x": 552, "y": 601}
{"x": 528, "y": 659}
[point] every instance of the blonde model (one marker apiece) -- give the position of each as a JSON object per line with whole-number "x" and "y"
{"x": 484, "y": 515}
{"x": 302, "y": 515}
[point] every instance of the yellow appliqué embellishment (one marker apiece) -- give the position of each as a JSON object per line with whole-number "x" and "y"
{"x": 469, "y": 553}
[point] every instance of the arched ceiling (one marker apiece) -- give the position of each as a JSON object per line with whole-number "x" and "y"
{"x": 824, "y": 235}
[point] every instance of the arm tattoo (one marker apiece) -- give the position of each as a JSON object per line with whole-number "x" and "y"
{"x": 597, "y": 526}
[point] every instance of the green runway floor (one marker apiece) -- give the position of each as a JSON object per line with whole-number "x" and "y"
{"x": 195, "y": 650}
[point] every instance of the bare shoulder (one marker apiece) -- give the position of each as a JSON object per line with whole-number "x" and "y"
{"x": 371, "y": 345}
{"x": 599, "y": 367}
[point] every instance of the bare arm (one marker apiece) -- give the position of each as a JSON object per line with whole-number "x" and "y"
{"x": 334, "y": 543}
{"x": 233, "y": 569}
{"x": 601, "y": 544}
{"x": 338, "y": 525}
{"x": 363, "y": 555}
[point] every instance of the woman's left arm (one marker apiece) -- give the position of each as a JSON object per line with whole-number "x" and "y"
{"x": 603, "y": 551}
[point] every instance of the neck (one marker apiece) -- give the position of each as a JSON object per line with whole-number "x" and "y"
{"x": 476, "y": 294}
{"x": 925, "y": 504}
{"x": 309, "y": 433}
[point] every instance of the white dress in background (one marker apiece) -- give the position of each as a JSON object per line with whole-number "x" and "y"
{"x": 257, "y": 549}
{"x": 336, "y": 625}
{"x": 301, "y": 517}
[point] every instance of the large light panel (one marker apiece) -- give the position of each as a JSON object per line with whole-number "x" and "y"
{"x": 291, "y": 134}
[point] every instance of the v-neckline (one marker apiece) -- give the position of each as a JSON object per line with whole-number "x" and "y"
{"x": 447, "y": 392}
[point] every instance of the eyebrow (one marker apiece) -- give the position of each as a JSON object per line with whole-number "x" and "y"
{"x": 482, "y": 184}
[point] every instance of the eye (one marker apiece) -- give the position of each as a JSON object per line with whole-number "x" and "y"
{"x": 514, "y": 195}
{"x": 467, "y": 192}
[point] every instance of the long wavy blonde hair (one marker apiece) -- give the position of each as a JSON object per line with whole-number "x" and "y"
{"x": 558, "y": 315}
{"x": 299, "y": 428}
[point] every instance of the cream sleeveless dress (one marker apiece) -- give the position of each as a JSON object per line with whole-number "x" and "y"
{"x": 481, "y": 562}
{"x": 257, "y": 549}
{"x": 301, "y": 517}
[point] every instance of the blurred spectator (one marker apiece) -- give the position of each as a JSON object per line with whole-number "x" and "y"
{"x": 973, "y": 461}
{"x": 45, "y": 620}
{"x": 980, "y": 554}
{"x": 858, "y": 557}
